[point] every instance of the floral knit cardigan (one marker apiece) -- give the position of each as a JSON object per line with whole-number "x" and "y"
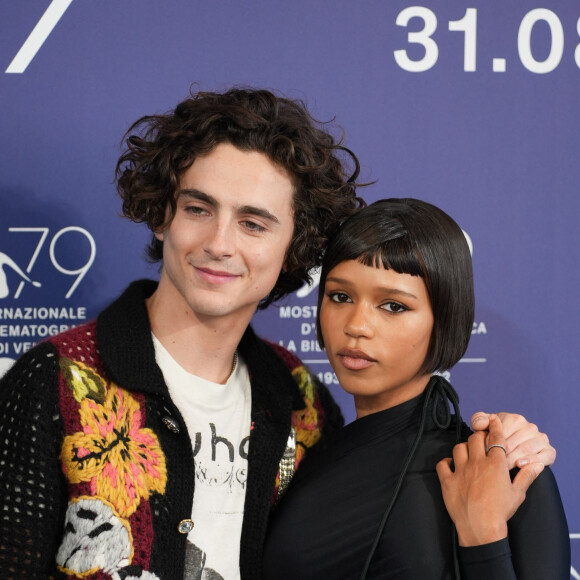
{"x": 96, "y": 464}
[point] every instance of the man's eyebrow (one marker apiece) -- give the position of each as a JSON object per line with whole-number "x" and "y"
{"x": 258, "y": 212}
{"x": 244, "y": 209}
{"x": 196, "y": 194}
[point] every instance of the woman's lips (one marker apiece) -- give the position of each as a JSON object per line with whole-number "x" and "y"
{"x": 354, "y": 359}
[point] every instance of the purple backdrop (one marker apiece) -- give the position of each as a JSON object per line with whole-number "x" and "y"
{"x": 470, "y": 107}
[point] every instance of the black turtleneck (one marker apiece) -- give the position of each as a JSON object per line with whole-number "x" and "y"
{"x": 325, "y": 525}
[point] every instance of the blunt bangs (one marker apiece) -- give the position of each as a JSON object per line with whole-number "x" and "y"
{"x": 414, "y": 237}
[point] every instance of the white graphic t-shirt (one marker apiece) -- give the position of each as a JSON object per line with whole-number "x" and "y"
{"x": 218, "y": 420}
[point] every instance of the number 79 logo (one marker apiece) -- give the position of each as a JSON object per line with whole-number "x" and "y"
{"x": 38, "y": 35}
{"x": 79, "y": 272}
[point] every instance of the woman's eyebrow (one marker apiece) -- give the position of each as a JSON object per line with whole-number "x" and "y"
{"x": 387, "y": 289}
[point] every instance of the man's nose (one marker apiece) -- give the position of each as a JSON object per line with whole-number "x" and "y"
{"x": 219, "y": 243}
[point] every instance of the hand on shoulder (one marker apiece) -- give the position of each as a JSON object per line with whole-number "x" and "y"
{"x": 523, "y": 440}
{"x": 478, "y": 493}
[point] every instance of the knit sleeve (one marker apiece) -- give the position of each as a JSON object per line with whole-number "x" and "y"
{"x": 330, "y": 417}
{"x": 333, "y": 417}
{"x": 31, "y": 484}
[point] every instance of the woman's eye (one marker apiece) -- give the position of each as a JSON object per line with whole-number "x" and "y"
{"x": 393, "y": 307}
{"x": 340, "y": 297}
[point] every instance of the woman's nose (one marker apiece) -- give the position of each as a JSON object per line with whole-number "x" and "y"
{"x": 360, "y": 322}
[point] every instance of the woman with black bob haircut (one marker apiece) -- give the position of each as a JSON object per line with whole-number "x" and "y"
{"x": 383, "y": 499}
{"x": 412, "y": 237}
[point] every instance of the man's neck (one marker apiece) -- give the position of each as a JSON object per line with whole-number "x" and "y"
{"x": 205, "y": 346}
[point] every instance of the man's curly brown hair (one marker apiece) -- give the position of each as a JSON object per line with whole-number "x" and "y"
{"x": 160, "y": 148}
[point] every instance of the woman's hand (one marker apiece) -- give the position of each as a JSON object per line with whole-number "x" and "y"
{"x": 479, "y": 494}
{"x": 524, "y": 441}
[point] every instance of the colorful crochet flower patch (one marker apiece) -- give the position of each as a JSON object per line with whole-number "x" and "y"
{"x": 122, "y": 460}
{"x": 306, "y": 421}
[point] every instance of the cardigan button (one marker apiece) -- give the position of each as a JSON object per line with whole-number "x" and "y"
{"x": 185, "y": 526}
{"x": 171, "y": 424}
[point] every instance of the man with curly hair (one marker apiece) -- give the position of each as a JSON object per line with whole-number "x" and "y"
{"x": 153, "y": 442}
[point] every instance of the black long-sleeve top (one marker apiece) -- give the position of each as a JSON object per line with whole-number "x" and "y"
{"x": 325, "y": 525}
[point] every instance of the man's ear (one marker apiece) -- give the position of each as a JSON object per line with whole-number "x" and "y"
{"x": 285, "y": 263}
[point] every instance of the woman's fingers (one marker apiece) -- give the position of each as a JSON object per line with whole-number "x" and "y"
{"x": 496, "y": 443}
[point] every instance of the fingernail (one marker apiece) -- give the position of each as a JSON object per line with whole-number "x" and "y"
{"x": 523, "y": 462}
{"x": 478, "y": 419}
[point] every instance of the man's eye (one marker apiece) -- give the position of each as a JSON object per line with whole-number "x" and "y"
{"x": 195, "y": 210}
{"x": 340, "y": 297}
{"x": 253, "y": 226}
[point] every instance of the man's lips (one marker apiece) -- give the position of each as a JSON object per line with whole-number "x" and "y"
{"x": 215, "y": 276}
{"x": 355, "y": 359}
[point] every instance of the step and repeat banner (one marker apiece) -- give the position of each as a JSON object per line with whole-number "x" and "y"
{"x": 472, "y": 106}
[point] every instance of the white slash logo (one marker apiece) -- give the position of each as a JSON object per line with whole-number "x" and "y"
{"x": 38, "y": 36}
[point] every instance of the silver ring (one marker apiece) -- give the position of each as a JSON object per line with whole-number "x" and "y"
{"x": 496, "y": 445}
